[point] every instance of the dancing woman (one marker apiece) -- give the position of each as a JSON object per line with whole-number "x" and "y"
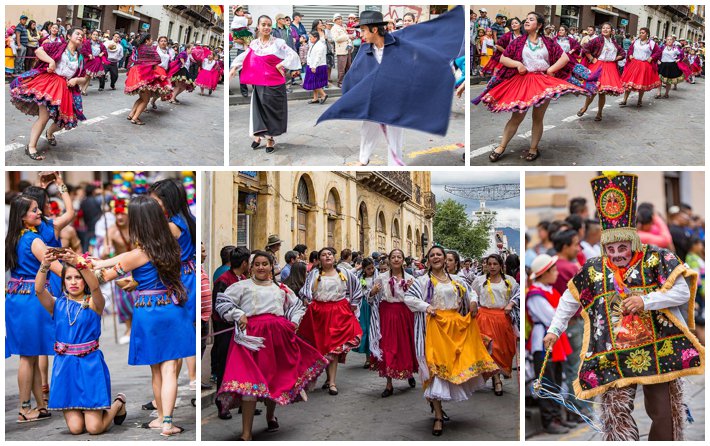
{"x": 331, "y": 320}
{"x": 94, "y": 53}
{"x": 392, "y": 325}
{"x": 51, "y": 90}
{"x": 264, "y": 65}
{"x": 80, "y": 377}
{"x": 166, "y": 55}
{"x": 494, "y": 64}
{"x": 29, "y": 328}
{"x": 208, "y": 75}
{"x": 569, "y": 44}
{"x": 145, "y": 78}
{"x": 534, "y": 72}
{"x": 668, "y": 70}
{"x": 180, "y": 75}
{"x": 162, "y": 330}
{"x": 497, "y": 294}
{"x": 53, "y": 36}
{"x": 453, "y": 361}
{"x": 367, "y": 276}
{"x": 267, "y": 361}
{"x": 641, "y": 70}
{"x": 603, "y": 53}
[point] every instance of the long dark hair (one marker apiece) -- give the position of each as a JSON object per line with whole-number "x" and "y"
{"x": 498, "y": 259}
{"x": 174, "y": 198}
{"x": 443, "y": 251}
{"x": 314, "y": 26}
{"x": 41, "y": 196}
{"x": 140, "y": 39}
{"x": 540, "y": 21}
{"x": 18, "y": 208}
{"x": 148, "y": 228}
{"x": 457, "y": 259}
{"x": 512, "y": 265}
{"x": 389, "y": 257}
{"x": 297, "y": 277}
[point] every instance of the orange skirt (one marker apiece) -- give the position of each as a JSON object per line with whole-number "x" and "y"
{"x": 495, "y": 324}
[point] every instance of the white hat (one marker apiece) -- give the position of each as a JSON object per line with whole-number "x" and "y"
{"x": 483, "y": 10}
{"x": 337, "y": 16}
{"x": 541, "y": 265}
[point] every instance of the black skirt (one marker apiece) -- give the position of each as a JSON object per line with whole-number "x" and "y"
{"x": 269, "y": 110}
{"x": 669, "y": 71}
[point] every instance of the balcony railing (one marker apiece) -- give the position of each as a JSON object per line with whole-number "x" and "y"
{"x": 680, "y": 10}
{"x": 394, "y": 185}
{"x": 429, "y": 204}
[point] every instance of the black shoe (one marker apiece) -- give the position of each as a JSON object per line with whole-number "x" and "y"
{"x": 119, "y": 419}
{"x": 255, "y": 144}
{"x": 443, "y": 414}
{"x": 245, "y": 94}
{"x": 387, "y": 392}
{"x": 556, "y": 429}
{"x": 272, "y": 425}
{"x": 223, "y": 413}
{"x": 437, "y": 432}
{"x": 101, "y": 89}
{"x": 148, "y": 406}
{"x": 412, "y": 382}
{"x": 270, "y": 149}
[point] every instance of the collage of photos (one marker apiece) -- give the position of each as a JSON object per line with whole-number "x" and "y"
{"x": 413, "y": 226}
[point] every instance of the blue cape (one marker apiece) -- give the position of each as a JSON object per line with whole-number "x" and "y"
{"x": 413, "y": 87}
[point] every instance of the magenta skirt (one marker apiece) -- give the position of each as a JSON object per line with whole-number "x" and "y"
{"x": 314, "y": 81}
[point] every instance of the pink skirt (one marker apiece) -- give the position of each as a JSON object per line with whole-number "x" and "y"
{"x": 279, "y": 371}
{"x": 207, "y": 79}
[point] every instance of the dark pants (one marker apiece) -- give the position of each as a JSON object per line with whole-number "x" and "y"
{"x": 343, "y": 67}
{"x": 204, "y": 330}
{"x": 220, "y": 348}
{"x": 111, "y": 70}
{"x": 243, "y": 89}
{"x": 549, "y": 410}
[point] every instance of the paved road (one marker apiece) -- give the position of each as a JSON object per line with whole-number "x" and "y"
{"x": 134, "y": 381}
{"x": 358, "y": 412}
{"x": 626, "y": 137}
{"x": 694, "y": 397}
{"x": 173, "y": 135}
{"x": 337, "y": 143}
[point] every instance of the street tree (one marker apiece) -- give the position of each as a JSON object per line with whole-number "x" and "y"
{"x": 454, "y": 230}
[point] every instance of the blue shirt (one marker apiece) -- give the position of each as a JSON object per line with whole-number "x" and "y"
{"x": 20, "y": 28}
{"x": 285, "y": 272}
{"x": 499, "y": 30}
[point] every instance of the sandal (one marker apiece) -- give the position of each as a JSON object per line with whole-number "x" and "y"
{"x": 437, "y": 432}
{"x": 581, "y": 113}
{"x": 665, "y": 96}
{"x": 498, "y": 387}
{"x": 598, "y": 118}
{"x": 272, "y": 425}
{"x": 52, "y": 142}
{"x": 120, "y": 418}
{"x": 148, "y": 406}
{"x": 658, "y": 96}
{"x": 37, "y": 156}
{"x": 622, "y": 104}
{"x": 530, "y": 156}
{"x": 155, "y": 107}
{"x": 495, "y": 156}
{"x": 137, "y": 122}
{"x": 332, "y": 389}
{"x": 387, "y": 392}
{"x": 170, "y": 433}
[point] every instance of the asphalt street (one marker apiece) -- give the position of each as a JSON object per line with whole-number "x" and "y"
{"x": 337, "y": 143}
{"x": 358, "y": 412}
{"x": 133, "y": 381}
{"x": 694, "y": 397}
{"x": 662, "y": 132}
{"x": 190, "y": 133}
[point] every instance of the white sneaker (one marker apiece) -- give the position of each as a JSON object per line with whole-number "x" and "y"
{"x": 123, "y": 340}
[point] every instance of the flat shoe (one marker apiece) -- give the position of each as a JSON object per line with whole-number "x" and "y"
{"x": 597, "y": 118}
{"x": 312, "y": 101}
{"x": 412, "y": 382}
{"x": 387, "y": 392}
{"x": 255, "y": 144}
{"x": 272, "y": 425}
{"x": 37, "y": 156}
{"x": 323, "y": 99}
{"x": 495, "y": 156}
{"x": 51, "y": 141}
{"x": 580, "y": 113}
{"x": 119, "y": 419}
{"x": 532, "y": 156}
{"x": 332, "y": 390}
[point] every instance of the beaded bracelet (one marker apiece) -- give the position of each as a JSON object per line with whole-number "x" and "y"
{"x": 62, "y": 188}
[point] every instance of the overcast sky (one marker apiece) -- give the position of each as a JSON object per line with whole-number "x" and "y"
{"x": 508, "y": 210}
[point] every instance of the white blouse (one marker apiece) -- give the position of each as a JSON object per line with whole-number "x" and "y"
{"x": 207, "y": 65}
{"x": 444, "y": 297}
{"x": 273, "y": 46}
{"x": 536, "y": 61}
{"x": 564, "y": 43}
{"x": 67, "y": 67}
{"x": 670, "y": 54}
{"x": 165, "y": 57}
{"x": 330, "y": 289}
{"x": 95, "y": 48}
{"x": 317, "y": 55}
{"x": 385, "y": 290}
{"x": 251, "y": 299}
{"x": 608, "y": 53}
{"x": 501, "y": 294}
{"x": 642, "y": 51}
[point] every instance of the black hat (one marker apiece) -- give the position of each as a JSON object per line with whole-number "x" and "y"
{"x": 371, "y": 18}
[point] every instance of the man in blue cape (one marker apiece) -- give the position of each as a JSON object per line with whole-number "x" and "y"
{"x": 400, "y": 80}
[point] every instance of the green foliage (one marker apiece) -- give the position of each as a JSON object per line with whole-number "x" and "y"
{"x": 453, "y": 229}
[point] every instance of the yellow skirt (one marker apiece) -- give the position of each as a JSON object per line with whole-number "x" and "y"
{"x": 9, "y": 59}
{"x": 455, "y": 350}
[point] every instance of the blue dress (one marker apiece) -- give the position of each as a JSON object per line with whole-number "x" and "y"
{"x": 78, "y": 382}
{"x": 161, "y": 330}
{"x": 365, "y": 312}
{"x": 46, "y": 233}
{"x": 29, "y": 327}
{"x": 187, "y": 257}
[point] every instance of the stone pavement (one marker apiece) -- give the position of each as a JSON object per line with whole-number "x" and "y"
{"x": 191, "y": 133}
{"x": 662, "y": 132}
{"x": 358, "y": 412}
{"x": 134, "y": 381}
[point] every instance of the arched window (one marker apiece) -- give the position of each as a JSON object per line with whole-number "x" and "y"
{"x": 303, "y": 194}
{"x": 396, "y": 242}
{"x": 381, "y": 232}
{"x": 332, "y": 210}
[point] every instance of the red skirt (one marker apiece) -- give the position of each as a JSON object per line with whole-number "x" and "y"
{"x": 51, "y": 90}
{"x": 521, "y": 92}
{"x": 278, "y": 372}
{"x": 331, "y": 327}
{"x": 495, "y": 324}
{"x": 687, "y": 72}
{"x": 399, "y": 359}
{"x": 609, "y": 81}
{"x": 152, "y": 78}
{"x": 639, "y": 75}
{"x": 492, "y": 66}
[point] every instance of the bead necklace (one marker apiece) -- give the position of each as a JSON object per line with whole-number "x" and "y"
{"x": 72, "y": 58}
{"x": 84, "y": 304}
{"x": 536, "y": 46}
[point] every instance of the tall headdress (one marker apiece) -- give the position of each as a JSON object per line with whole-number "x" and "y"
{"x": 615, "y": 196}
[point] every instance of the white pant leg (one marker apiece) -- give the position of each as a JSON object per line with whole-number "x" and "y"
{"x": 368, "y": 136}
{"x": 395, "y": 141}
